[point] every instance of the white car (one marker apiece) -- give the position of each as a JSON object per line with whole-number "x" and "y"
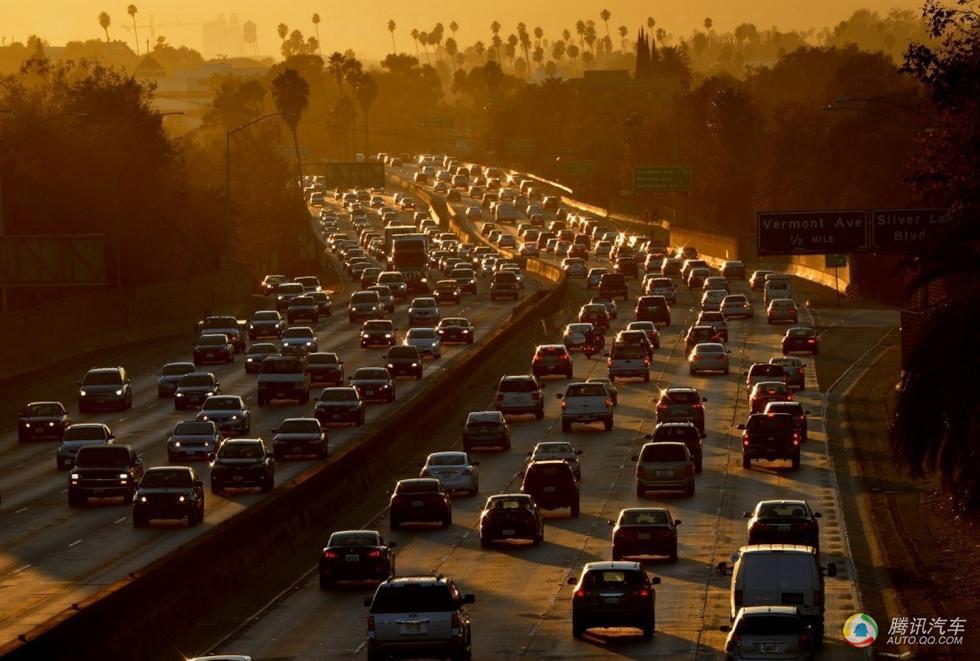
{"x": 454, "y": 470}
{"x": 711, "y": 299}
{"x": 426, "y": 340}
{"x": 611, "y": 308}
{"x": 737, "y": 305}
{"x": 529, "y": 249}
{"x": 574, "y": 267}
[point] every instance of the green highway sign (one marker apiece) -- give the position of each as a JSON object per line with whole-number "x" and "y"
{"x": 834, "y": 260}
{"x": 578, "y": 168}
{"x": 518, "y": 145}
{"x": 661, "y": 178}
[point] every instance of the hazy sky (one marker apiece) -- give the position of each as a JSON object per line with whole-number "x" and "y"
{"x": 361, "y": 25}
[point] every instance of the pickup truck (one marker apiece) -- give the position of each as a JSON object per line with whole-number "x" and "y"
{"x": 770, "y": 436}
{"x": 283, "y": 377}
{"x": 102, "y": 471}
{"x": 585, "y": 403}
{"x": 226, "y": 324}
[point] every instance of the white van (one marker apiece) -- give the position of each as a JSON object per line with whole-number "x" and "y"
{"x": 779, "y": 575}
{"x": 776, "y": 288}
{"x": 504, "y": 211}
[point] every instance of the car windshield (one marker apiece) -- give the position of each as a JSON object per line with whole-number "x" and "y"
{"x": 262, "y": 349}
{"x": 196, "y": 380}
{"x": 585, "y": 390}
{"x": 366, "y": 538}
{"x": 593, "y": 308}
{"x": 291, "y": 288}
{"x": 663, "y": 452}
{"x": 782, "y": 511}
{"x": 222, "y": 403}
{"x": 417, "y": 486}
{"x": 447, "y": 460}
{"x": 390, "y": 278}
{"x": 403, "y": 352}
{"x": 177, "y": 370}
{"x": 413, "y": 599}
{"x": 364, "y": 297}
{"x": 376, "y": 373}
{"x": 240, "y": 451}
{"x": 110, "y": 378}
{"x": 554, "y": 449}
{"x": 675, "y": 432}
{"x": 612, "y": 579}
{"x": 78, "y": 433}
{"x": 421, "y": 334}
{"x": 338, "y": 395}
{"x": 644, "y": 517}
{"x": 44, "y": 410}
{"x": 193, "y": 428}
{"x": 377, "y": 325}
{"x": 423, "y": 303}
{"x": 510, "y": 504}
{"x": 300, "y": 333}
{"x": 769, "y": 624}
{"x": 172, "y": 478}
{"x": 736, "y": 299}
{"x": 770, "y": 388}
{"x": 626, "y": 351}
{"x": 800, "y": 332}
{"x": 266, "y": 316}
{"x": 104, "y": 456}
{"x": 710, "y": 348}
{"x": 299, "y": 427}
{"x": 453, "y": 321}
{"x": 579, "y": 328}
{"x": 767, "y": 370}
{"x": 768, "y": 423}
{"x": 281, "y": 366}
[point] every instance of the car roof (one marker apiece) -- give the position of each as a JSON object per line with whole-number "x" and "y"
{"x": 165, "y": 469}
{"x": 780, "y": 502}
{"x": 398, "y": 581}
{"x": 777, "y": 548}
{"x": 612, "y": 565}
{"x": 751, "y": 611}
{"x": 449, "y": 453}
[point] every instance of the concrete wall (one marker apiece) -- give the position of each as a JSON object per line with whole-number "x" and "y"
{"x": 42, "y": 336}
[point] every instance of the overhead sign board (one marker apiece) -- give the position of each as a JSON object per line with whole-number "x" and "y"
{"x": 351, "y": 175}
{"x": 52, "y": 261}
{"x": 661, "y": 178}
{"x": 812, "y": 232}
{"x": 904, "y": 231}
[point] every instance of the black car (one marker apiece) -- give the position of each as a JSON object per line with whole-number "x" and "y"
{"x": 194, "y": 388}
{"x": 801, "y": 339}
{"x": 303, "y": 309}
{"x": 419, "y": 500}
{"x": 378, "y": 333}
{"x": 243, "y": 462}
{"x": 613, "y": 285}
{"x": 170, "y": 375}
{"x": 698, "y": 334}
{"x": 511, "y": 516}
{"x": 552, "y": 484}
{"x": 614, "y": 594}
{"x": 169, "y": 492}
{"x": 41, "y": 420}
{"x": 339, "y": 405}
{"x": 404, "y": 360}
{"x": 105, "y": 387}
{"x": 796, "y": 410}
{"x": 193, "y": 439}
{"x": 715, "y": 319}
{"x": 679, "y": 404}
{"x": 356, "y": 555}
{"x": 213, "y": 348}
{"x": 486, "y": 429}
{"x": 447, "y": 290}
{"x": 644, "y": 531}
{"x": 325, "y": 368}
{"x": 783, "y": 522}
{"x": 455, "y": 329}
{"x": 258, "y": 352}
{"x": 551, "y": 359}
{"x": 323, "y": 304}
{"x": 299, "y": 436}
{"x": 681, "y": 432}
{"x": 104, "y": 471}
{"x": 627, "y": 266}
{"x": 266, "y": 323}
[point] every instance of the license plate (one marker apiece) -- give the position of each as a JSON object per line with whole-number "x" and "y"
{"x": 418, "y": 503}
{"x": 665, "y": 473}
{"x": 507, "y": 533}
{"x": 237, "y": 478}
{"x": 336, "y": 416}
{"x": 769, "y": 648}
{"x": 412, "y": 628}
{"x": 782, "y": 528}
{"x": 353, "y": 557}
{"x": 611, "y": 601}
{"x": 297, "y": 449}
{"x": 643, "y": 535}
{"x": 209, "y": 355}
{"x": 549, "y": 489}
{"x": 98, "y": 492}
{"x": 368, "y": 392}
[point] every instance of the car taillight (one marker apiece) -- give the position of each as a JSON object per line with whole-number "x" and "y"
{"x": 643, "y": 593}
{"x": 689, "y": 470}
{"x": 646, "y": 361}
{"x": 734, "y": 642}
{"x": 738, "y": 599}
{"x": 564, "y": 404}
{"x": 580, "y": 594}
{"x": 374, "y": 554}
{"x": 806, "y": 641}
{"x": 565, "y": 356}
{"x": 661, "y": 407}
{"x": 796, "y": 438}
{"x": 697, "y": 405}
{"x": 639, "y": 471}
{"x": 609, "y": 402}
{"x": 370, "y": 624}
{"x": 456, "y": 624}
{"x": 609, "y": 362}
{"x": 818, "y": 598}
{"x": 538, "y": 359}
{"x": 812, "y": 340}
{"x": 330, "y": 555}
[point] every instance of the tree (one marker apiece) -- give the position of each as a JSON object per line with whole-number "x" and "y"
{"x": 480, "y": 49}
{"x": 424, "y": 40}
{"x": 365, "y": 91}
{"x": 511, "y": 50}
{"x": 453, "y": 26}
{"x": 623, "y": 31}
{"x": 573, "y": 52}
{"x": 605, "y": 15}
{"x": 391, "y": 29}
{"x": 661, "y": 35}
{"x": 335, "y": 67}
{"x": 283, "y": 31}
{"x": 708, "y": 23}
{"x": 566, "y": 35}
{"x": 558, "y": 51}
{"x": 316, "y": 28}
{"x": 580, "y": 31}
{"x": 675, "y": 63}
{"x": 291, "y": 95}
{"x": 131, "y": 10}
{"x": 105, "y": 21}
{"x": 650, "y": 22}
{"x": 590, "y": 37}
{"x": 538, "y": 56}
{"x": 495, "y": 29}
{"x": 525, "y": 38}
{"x": 452, "y": 50}
{"x": 415, "y": 37}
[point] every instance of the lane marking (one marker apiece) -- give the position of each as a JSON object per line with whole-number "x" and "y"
{"x": 20, "y": 569}
{"x": 120, "y": 519}
{"x": 75, "y": 543}
{"x": 22, "y": 509}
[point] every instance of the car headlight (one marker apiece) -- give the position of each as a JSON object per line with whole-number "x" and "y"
{"x": 388, "y": 336}
{"x": 210, "y": 393}
{"x": 309, "y": 344}
{"x": 205, "y": 418}
{"x": 180, "y": 394}
{"x": 74, "y": 476}
{"x": 181, "y": 499}
{"x": 50, "y": 424}
{"x": 374, "y": 308}
{"x": 119, "y": 392}
{"x": 177, "y": 444}
{"x": 27, "y": 424}
{"x": 248, "y": 360}
{"x": 390, "y": 366}
{"x": 234, "y": 417}
{"x": 82, "y": 393}
{"x": 124, "y": 476}
{"x": 142, "y": 499}
{"x": 415, "y": 364}
{"x": 364, "y": 335}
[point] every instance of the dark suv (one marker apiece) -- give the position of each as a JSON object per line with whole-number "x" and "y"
{"x": 653, "y": 308}
{"x": 614, "y": 594}
{"x": 770, "y": 436}
{"x": 783, "y": 522}
{"x": 511, "y": 516}
{"x": 504, "y": 285}
{"x": 681, "y": 432}
{"x": 681, "y": 405}
{"x": 42, "y": 420}
{"x": 552, "y": 485}
{"x": 404, "y": 360}
{"x": 486, "y": 429}
{"x": 105, "y": 387}
{"x": 102, "y": 471}
{"x": 419, "y": 500}
{"x": 169, "y": 492}
{"x": 613, "y": 285}
{"x": 243, "y": 462}
{"x": 551, "y": 359}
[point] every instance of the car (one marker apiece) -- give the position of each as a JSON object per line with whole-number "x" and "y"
{"x": 413, "y": 616}
{"x": 510, "y": 516}
{"x": 594, "y": 314}
{"x": 776, "y": 287}
{"x": 169, "y": 492}
{"x": 794, "y": 371}
{"x": 698, "y": 334}
{"x": 629, "y": 359}
{"x": 299, "y": 340}
{"x": 614, "y": 285}
{"x": 783, "y": 522}
{"x": 271, "y": 282}
{"x": 716, "y": 282}
{"x": 552, "y": 484}
{"x": 355, "y": 555}
{"x": 286, "y": 292}
{"x": 644, "y": 532}
{"x": 325, "y": 368}
{"x": 664, "y": 466}
{"x": 484, "y": 429}
{"x": 585, "y": 403}
{"x": 758, "y": 280}
{"x": 577, "y": 335}
{"x": 40, "y": 420}
{"x": 486, "y": 228}
{"x": 373, "y": 384}
{"x": 708, "y": 357}
{"x": 782, "y": 309}
{"x": 504, "y": 284}
{"x": 593, "y": 277}
{"x": 299, "y": 436}
{"x": 801, "y": 339}
{"x": 519, "y": 394}
{"x": 104, "y": 471}
{"x": 213, "y": 348}
{"x": 466, "y": 278}
{"x": 105, "y": 387}
{"x": 662, "y": 287}
{"x": 681, "y": 432}
{"x": 258, "y": 352}
{"x": 404, "y": 360}
{"x": 423, "y": 311}
{"x": 770, "y": 436}
{"x": 378, "y": 332}
{"x": 447, "y": 290}
{"x": 454, "y": 470}
{"x": 339, "y": 405}
{"x": 780, "y": 628}
{"x": 303, "y": 309}
{"x": 170, "y": 375}
{"x": 243, "y": 462}
{"x": 386, "y": 299}
{"x": 796, "y": 411}
{"x": 610, "y": 304}
{"x": 193, "y": 439}
{"x": 764, "y": 392}
{"x": 614, "y": 594}
{"x": 419, "y": 500}
{"x": 558, "y": 450}
{"x": 652, "y": 308}
{"x": 736, "y": 306}
{"x": 574, "y": 267}
{"x": 552, "y": 359}
{"x": 612, "y": 392}
{"x": 365, "y": 304}
{"x": 79, "y": 435}
{"x": 194, "y": 388}
{"x": 733, "y": 269}
{"x": 763, "y": 372}
{"x": 426, "y": 341}
{"x": 697, "y": 276}
{"x": 649, "y": 329}
{"x": 711, "y": 300}
{"x": 228, "y": 412}
{"x": 626, "y": 265}
{"x": 680, "y": 404}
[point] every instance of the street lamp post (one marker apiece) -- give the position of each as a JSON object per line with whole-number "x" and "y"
{"x": 228, "y": 135}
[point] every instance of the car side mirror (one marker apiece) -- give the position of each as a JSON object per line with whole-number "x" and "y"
{"x": 474, "y": 463}
{"x": 648, "y": 437}
{"x": 677, "y": 522}
{"x": 350, "y": 378}
{"x": 469, "y": 598}
{"x": 112, "y": 437}
{"x": 724, "y": 628}
{"x": 571, "y": 580}
{"x": 139, "y": 459}
{"x": 721, "y": 569}
{"x": 198, "y": 484}
{"x": 634, "y": 458}
{"x": 831, "y": 569}
{"x": 704, "y": 399}
{"x": 392, "y": 545}
{"x": 275, "y": 430}
{"x": 817, "y": 515}
{"x": 740, "y": 426}
{"x": 211, "y": 456}
{"x": 558, "y": 395}
{"x": 655, "y": 580}
{"x": 367, "y": 601}
{"x": 746, "y": 515}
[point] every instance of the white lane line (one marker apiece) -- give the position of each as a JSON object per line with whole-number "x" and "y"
{"x": 120, "y": 519}
{"x": 75, "y": 543}
{"x": 20, "y": 569}
{"x": 22, "y": 509}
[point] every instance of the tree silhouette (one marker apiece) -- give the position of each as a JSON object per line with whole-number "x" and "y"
{"x": 365, "y": 91}
{"x": 650, "y": 22}
{"x": 605, "y": 15}
{"x": 415, "y": 37}
{"x": 661, "y": 35}
{"x": 623, "y": 31}
{"x": 131, "y": 10}
{"x": 573, "y": 52}
{"x": 566, "y": 35}
{"x": 452, "y": 50}
{"x": 316, "y": 28}
{"x": 105, "y": 21}
{"x": 453, "y": 26}
{"x": 558, "y": 51}
{"x": 495, "y": 29}
{"x": 291, "y": 95}
{"x": 391, "y": 29}
{"x": 480, "y": 49}
{"x": 708, "y": 23}
{"x": 580, "y": 31}
{"x": 525, "y": 40}
{"x": 283, "y": 31}
{"x": 424, "y": 40}
{"x": 538, "y": 56}
{"x": 495, "y": 40}
{"x": 335, "y": 67}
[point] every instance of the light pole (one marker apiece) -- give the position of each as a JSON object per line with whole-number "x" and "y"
{"x": 228, "y": 135}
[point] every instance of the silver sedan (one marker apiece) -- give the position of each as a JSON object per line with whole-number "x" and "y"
{"x": 454, "y": 470}
{"x": 708, "y": 357}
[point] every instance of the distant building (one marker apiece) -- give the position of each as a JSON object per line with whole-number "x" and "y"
{"x": 223, "y": 37}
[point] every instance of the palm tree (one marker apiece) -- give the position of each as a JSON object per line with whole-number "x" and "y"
{"x": 573, "y": 51}
{"x": 676, "y": 63}
{"x": 496, "y": 41}
{"x": 352, "y": 70}
{"x": 650, "y": 22}
{"x": 335, "y": 66}
{"x": 605, "y": 15}
{"x": 558, "y": 51}
{"x": 453, "y": 26}
{"x": 424, "y": 40}
{"x": 391, "y": 29}
{"x": 366, "y": 91}
{"x": 452, "y": 49}
{"x": 566, "y": 35}
{"x": 623, "y": 31}
{"x": 480, "y": 49}
{"x": 590, "y": 37}
{"x": 283, "y": 31}
{"x": 291, "y": 94}
{"x": 495, "y": 29}
{"x": 538, "y": 56}
{"x": 661, "y": 35}
{"x": 580, "y": 31}
{"x": 510, "y": 50}
{"x": 708, "y": 23}
{"x": 131, "y": 10}
{"x": 316, "y": 29}
{"x": 105, "y": 21}
{"x": 525, "y": 39}
{"x": 415, "y": 37}
{"x": 538, "y": 33}
{"x": 435, "y": 38}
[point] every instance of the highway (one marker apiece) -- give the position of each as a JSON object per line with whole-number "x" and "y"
{"x": 523, "y": 601}
{"x": 53, "y": 555}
